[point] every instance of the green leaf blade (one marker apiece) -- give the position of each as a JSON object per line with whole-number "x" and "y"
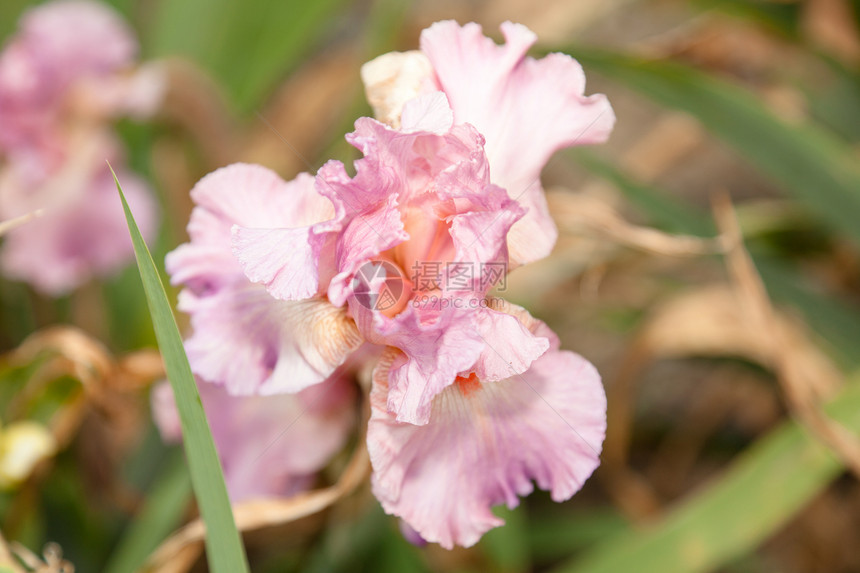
{"x": 247, "y": 46}
{"x": 224, "y": 548}
{"x": 162, "y": 512}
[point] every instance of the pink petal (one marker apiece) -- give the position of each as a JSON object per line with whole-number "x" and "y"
{"x": 262, "y": 207}
{"x": 253, "y": 343}
{"x": 243, "y": 337}
{"x": 269, "y": 446}
{"x": 480, "y": 236}
{"x": 436, "y": 346}
{"x": 239, "y": 194}
{"x": 285, "y": 260}
{"x": 534, "y": 235}
{"x": 280, "y": 231}
{"x": 364, "y": 238}
{"x": 525, "y": 108}
{"x": 484, "y": 445}
{"x": 429, "y": 112}
{"x": 509, "y": 346}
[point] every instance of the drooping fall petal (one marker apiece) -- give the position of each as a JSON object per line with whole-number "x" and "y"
{"x": 485, "y": 444}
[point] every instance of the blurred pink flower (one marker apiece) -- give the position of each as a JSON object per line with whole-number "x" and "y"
{"x": 472, "y": 399}
{"x": 62, "y": 76}
{"x": 268, "y": 446}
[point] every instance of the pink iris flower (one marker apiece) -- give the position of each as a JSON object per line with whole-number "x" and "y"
{"x": 472, "y": 399}
{"x": 63, "y": 75}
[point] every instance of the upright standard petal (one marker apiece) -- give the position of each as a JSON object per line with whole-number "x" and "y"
{"x": 485, "y": 444}
{"x": 526, "y": 109}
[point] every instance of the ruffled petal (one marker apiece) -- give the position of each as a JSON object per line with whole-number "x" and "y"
{"x": 435, "y": 345}
{"x": 269, "y": 446}
{"x": 365, "y": 237}
{"x": 285, "y": 260}
{"x": 245, "y": 195}
{"x": 509, "y": 346}
{"x": 485, "y": 444}
{"x": 525, "y": 108}
{"x": 284, "y": 244}
{"x": 480, "y": 237}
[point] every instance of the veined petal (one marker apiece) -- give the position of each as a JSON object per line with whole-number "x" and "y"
{"x": 480, "y": 236}
{"x": 253, "y": 343}
{"x": 285, "y": 260}
{"x": 429, "y": 112}
{"x": 258, "y": 200}
{"x": 509, "y": 346}
{"x": 485, "y": 444}
{"x": 243, "y": 337}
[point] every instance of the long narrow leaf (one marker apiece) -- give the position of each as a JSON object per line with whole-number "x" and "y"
{"x": 161, "y": 514}
{"x": 223, "y": 543}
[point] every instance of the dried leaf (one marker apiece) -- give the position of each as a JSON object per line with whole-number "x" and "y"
{"x": 801, "y": 381}
{"x": 580, "y": 213}
{"x": 832, "y": 26}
